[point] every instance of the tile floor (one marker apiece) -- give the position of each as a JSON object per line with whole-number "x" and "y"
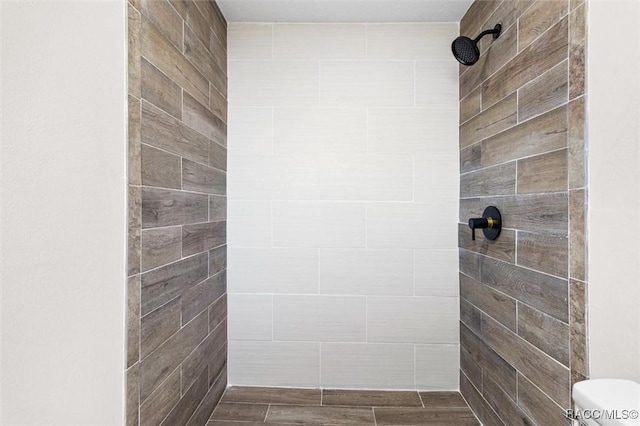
{"x": 244, "y": 406}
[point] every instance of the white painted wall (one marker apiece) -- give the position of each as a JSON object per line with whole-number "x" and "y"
{"x": 343, "y": 205}
{"x": 63, "y": 212}
{"x": 614, "y": 186}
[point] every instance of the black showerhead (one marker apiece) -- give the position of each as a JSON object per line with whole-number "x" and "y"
{"x": 466, "y": 50}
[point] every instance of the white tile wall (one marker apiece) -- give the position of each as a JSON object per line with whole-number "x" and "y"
{"x": 318, "y": 224}
{"x": 318, "y": 42}
{"x": 412, "y": 225}
{"x": 437, "y": 367}
{"x": 252, "y": 129}
{"x": 412, "y": 319}
{"x": 251, "y": 225}
{"x": 410, "y": 41}
{"x": 293, "y": 364}
{"x": 252, "y": 317}
{"x": 319, "y": 318}
{"x": 273, "y": 83}
{"x": 312, "y": 131}
{"x": 434, "y": 177}
{"x": 418, "y": 131}
{"x": 367, "y": 83}
{"x": 366, "y": 272}
{"x": 367, "y": 366}
{"x": 343, "y": 195}
{"x": 436, "y": 83}
{"x": 370, "y": 177}
{"x": 249, "y": 177}
{"x": 249, "y": 41}
{"x": 436, "y": 273}
{"x": 272, "y": 270}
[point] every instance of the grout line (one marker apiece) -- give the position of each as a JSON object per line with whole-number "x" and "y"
{"x": 414, "y": 365}
{"x": 272, "y": 317}
{"x": 414, "y": 272}
{"x": 515, "y": 254}
{"x": 415, "y": 84}
{"x": 272, "y": 25}
{"x": 516, "y": 177}
{"x": 266, "y": 414}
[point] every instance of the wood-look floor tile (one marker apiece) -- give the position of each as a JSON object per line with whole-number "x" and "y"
{"x": 370, "y": 398}
{"x": 239, "y": 411}
{"x": 260, "y": 395}
{"x": 421, "y": 416}
{"x": 297, "y": 414}
{"x": 443, "y": 400}
{"x": 231, "y": 423}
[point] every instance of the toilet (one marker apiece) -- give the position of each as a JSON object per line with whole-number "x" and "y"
{"x": 606, "y": 402}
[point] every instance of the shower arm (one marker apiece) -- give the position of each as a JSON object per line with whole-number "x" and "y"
{"x": 495, "y": 31}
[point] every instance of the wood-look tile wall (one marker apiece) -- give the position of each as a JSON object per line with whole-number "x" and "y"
{"x": 523, "y": 149}
{"x": 177, "y": 304}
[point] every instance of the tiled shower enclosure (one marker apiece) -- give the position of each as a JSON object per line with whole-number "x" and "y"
{"x": 343, "y": 191}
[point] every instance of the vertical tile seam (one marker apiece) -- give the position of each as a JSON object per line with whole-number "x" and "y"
{"x": 320, "y": 369}
{"x": 415, "y": 370}
{"x": 415, "y": 84}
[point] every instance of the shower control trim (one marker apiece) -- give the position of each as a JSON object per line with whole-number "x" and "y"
{"x": 490, "y": 223}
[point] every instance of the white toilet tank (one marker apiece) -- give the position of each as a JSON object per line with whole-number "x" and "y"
{"x": 607, "y": 402}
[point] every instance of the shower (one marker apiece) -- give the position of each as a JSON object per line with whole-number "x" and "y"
{"x": 466, "y": 50}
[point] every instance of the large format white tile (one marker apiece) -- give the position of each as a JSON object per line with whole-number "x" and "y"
{"x": 436, "y": 273}
{"x": 367, "y": 366}
{"x": 295, "y": 83}
{"x": 249, "y": 40}
{"x": 321, "y": 177}
{"x": 408, "y": 225}
{"x": 366, "y": 83}
{"x": 250, "y": 177}
{"x": 319, "y": 318}
{"x": 273, "y": 83}
{"x": 341, "y": 178}
{"x": 437, "y": 367}
{"x": 250, "y": 130}
{"x": 425, "y": 131}
{"x": 366, "y": 178}
{"x": 318, "y": 224}
{"x": 249, "y": 223}
{"x": 250, "y": 317}
{"x": 295, "y": 177}
{"x": 319, "y": 41}
{"x": 437, "y": 84}
{"x": 436, "y": 177}
{"x": 273, "y": 270}
{"x": 320, "y": 130}
{"x": 287, "y": 364}
{"x": 415, "y": 41}
{"x": 366, "y": 272}
{"x": 250, "y": 83}
{"x": 412, "y": 319}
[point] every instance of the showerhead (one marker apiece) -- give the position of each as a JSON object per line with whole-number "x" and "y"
{"x": 466, "y": 50}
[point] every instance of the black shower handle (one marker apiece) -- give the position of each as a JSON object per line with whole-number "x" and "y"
{"x": 477, "y": 222}
{"x": 490, "y": 223}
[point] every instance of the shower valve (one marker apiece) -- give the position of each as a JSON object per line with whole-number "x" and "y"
{"x": 490, "y": 223}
